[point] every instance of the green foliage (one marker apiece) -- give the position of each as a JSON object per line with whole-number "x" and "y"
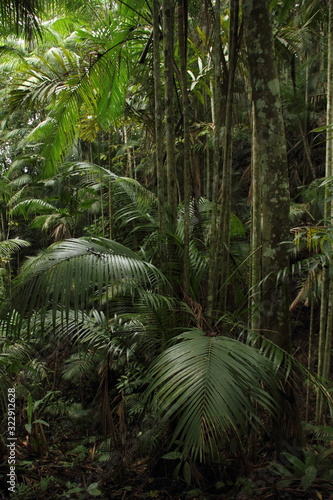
{"x": 315, "y": 469}
{"x": 109, "y": 356}
{"x": 81, "y": 272}
{"x": 208, "y": 386}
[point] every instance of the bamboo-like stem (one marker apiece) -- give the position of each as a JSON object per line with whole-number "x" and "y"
{"x": 110, "y": 197}
{"x": 328, "y": 337}
{"x": 309, "y": 365}
{"x": 159, "y": 140}
{"x": 225, "y": 194}
{"x": 182, "y": 33}
{"x": 326, "y": 313}
{"x": 321, "y": 341}
{"x": 217, "y": 161}
{"x": 128, "y": 153}
{"x": 110, "y": 209}
{"x": 168, "y": 48}
{"x": 255, "y": 269}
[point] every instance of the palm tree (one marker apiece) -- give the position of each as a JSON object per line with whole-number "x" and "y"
{"x": 215, "y": 375}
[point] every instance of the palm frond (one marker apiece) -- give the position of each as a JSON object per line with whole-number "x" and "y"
{"x": 8, "y": 247}
{"x": 283, "y": 362}
{"x": 321, "y": 432}
{"x": 208, "y": 386}
{"x": 32, "y": 207}
{"x": 78, "y": 272}
{"x": 79, "y": 365}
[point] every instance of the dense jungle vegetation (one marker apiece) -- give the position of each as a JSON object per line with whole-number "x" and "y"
{"x": 166, "y": 263}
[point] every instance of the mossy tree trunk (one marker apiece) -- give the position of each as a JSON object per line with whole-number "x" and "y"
{"x": 271, "y": 212}
{"x": 270, "y": 165}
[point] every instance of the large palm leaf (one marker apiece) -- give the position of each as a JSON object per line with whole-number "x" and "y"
{"x": 77, "y": 273}
{"x": 8, "y": 247}
{"x": 208, "y": 386}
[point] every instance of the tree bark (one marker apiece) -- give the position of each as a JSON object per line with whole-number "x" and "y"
{"x": 217, "y": 57}
{"x": 326, "y": 313}
{"x": 168, "y": 48}
{"x": 159, "y": 139}
{"x": 182, "y": 38}
{"x": 270, "y": 178}
{"x": 270, "y": 164}
{"x": 225, "y": 194}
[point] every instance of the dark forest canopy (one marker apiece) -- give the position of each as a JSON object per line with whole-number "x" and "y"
{"x": 165, "y": 249}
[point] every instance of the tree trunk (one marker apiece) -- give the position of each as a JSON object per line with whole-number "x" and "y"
{"x": 217, "y": 57}
{"x": 159, "y": 139}
{"x": 110, "y": 192}
{"x": 255, "y": 276}
{"x": 225, "y": 195}
{"x": 270, "y": 171}
{"x": 168, "y": 47}
{"x": 270, "y": 164}
{"x": 182, "y": 36}
{"x": 326, "y": 316}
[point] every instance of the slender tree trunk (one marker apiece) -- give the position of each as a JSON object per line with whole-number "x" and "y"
{"x": 110, "y": 194}
{"x": 182, "y": 34}
{"x": 309, "y": 365}
{"x": 159, "y": 139}
{"x": 110, "y": 209}
{"x": 217, "y": 57}
{"x": 129, "y": 169}
{"x": 168, "y": 48}
{"x": 102, "y": 212}
{"x": 326, "y": 316}
{"x": 256, "y": 249}
{"x": 225, "y": 195}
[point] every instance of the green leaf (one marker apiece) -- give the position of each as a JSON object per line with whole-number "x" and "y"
{"x": 282, "y": 470}
{"x": 172, "y": 455}
{"x": 38, "y": 421}
{"x": 296, "y": 462}
{"x": 322, "y": 129}
{"x": 284, "y": 483}
{"x": 309, "y": 476}
{"x": 8, "y": 247}
{"x": 187, "y": 473}
{"x": 94, "y": 490}
{"x": 77, "y": 489}
{"x": 194, "y": 493}
{"x": 28, "y": 428}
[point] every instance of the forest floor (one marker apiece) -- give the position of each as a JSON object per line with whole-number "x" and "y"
{"x": 60, "y": 467}
{"x": 78, "y": 476}
{"x": 48, "y": 480}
